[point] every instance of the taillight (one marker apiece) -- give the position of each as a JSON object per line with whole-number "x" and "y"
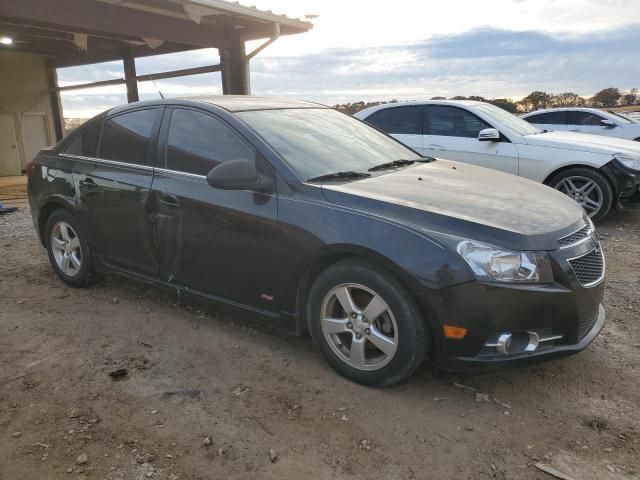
{"x": 30, "y": 167}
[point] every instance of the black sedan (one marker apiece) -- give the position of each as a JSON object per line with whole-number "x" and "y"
{"x": 300, "y": 214}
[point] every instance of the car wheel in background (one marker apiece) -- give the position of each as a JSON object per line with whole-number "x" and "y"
{"x": 366, "y": 324}
{"x": 588, "y": 187}
{"x": 68, "y": 249}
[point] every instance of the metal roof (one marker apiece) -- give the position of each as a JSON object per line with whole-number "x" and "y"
{"x": 77, "y": 32}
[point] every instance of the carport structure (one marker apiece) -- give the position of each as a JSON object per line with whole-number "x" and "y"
{"x": 39, "y": 36}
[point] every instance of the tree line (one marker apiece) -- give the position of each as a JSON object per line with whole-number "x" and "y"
{"x": 606, "y": 98}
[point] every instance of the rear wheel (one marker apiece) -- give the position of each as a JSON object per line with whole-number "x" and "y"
{"x": 588, "y": 187}
{"x": 365, "y": 324}
{"x": 68, "y": 249}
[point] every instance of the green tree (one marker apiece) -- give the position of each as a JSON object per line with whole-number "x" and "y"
{"x": 567, "y": 99}
{"x": 536, "y": 100}
{"x": 505, "y": 104}
{"x": 606, "y": 98}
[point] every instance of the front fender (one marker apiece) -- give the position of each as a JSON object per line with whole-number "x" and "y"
{"x": 417, "y": 260}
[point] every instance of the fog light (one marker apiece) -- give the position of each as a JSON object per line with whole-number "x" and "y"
{"x": 512, "y": 343}
{"x": 503, "y": 343}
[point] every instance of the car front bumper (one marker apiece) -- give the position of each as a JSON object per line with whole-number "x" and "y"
{"x": 497, "y": 363}
{"x": 626, "y": 183}
{"x": 566, "y": 312}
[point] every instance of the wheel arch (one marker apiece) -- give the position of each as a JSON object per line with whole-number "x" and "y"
{"x": 336, "y": 253}
{"x": 602, "y": 171}
{"x": 45, "y": 212}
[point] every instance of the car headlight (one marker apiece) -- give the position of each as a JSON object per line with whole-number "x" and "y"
{"x": 491, "y": 263}
{"x": 629, "y": 161}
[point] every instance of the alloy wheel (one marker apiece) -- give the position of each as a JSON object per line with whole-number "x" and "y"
{"x": 584, "y": 191}
{"x": 65, "y": 246}
{"x": 359, "y": 326}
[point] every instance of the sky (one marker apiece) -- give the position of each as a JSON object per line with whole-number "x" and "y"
{"x": 410, "y": 49}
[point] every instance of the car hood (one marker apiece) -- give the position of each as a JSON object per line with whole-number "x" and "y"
{"x": 584, "y": 142}
{"x": 445, "y": 197}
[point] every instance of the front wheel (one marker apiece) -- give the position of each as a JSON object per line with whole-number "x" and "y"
{"x": 365, "y": 324}
{"x": 588, "y": 187}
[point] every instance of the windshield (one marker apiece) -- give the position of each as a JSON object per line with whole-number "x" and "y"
{"x": 321, "y": 141}
{"x": 508, "y": 120}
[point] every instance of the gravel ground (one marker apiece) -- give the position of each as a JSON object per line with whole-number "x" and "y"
{"x": 16, "y": 225}
{"x": 211, "y": 395}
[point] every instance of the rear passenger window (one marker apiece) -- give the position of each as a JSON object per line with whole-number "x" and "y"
{"x": 126, "y": 138}
{"x": 451, "y": 122}
{"x": 86, "y": 143}
{"x": 398, "y": 120}
{"x": 583, "y": 118}
{"x": 549, "y": 118}
{"x": 197, "y": 142}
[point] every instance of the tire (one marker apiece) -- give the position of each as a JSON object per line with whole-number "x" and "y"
{"x": 571, "y": 181}
{"x": 68, "y": 249}
{"x": 394, "y": 319}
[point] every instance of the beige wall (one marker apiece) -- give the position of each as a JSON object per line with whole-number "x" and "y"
{"x": 23, "y": 89}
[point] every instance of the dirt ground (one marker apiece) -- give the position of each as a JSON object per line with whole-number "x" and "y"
{"x": 210, "y": 395}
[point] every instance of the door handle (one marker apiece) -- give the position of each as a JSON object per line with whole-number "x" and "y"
{"x": 435, "y": 146}
{"x": 170, "y": 201}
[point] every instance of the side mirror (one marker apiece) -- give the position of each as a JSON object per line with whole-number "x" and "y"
{"x": 237, "y": 175}
{"x": 607, "y": 123}
{"x": 489, "y": 135}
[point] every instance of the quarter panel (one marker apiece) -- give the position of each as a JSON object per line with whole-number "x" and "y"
{"x": 50, "y": 182}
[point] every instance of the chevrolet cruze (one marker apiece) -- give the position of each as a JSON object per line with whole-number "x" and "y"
{"x": 300, "y": 214}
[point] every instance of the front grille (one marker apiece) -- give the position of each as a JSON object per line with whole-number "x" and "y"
{"x": 586, "y": 324}
{"x": 589, "y": 268}
{"x": 575, "y": 237}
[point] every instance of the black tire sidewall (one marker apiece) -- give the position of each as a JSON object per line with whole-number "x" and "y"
{"x": 598, "y": 178}
{"x": 413, "y": 337}
{"x": 85, "y": 276}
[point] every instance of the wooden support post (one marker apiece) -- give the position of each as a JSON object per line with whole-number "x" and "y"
{"x": 130, "y": 78}
{"x": 235, "y": 66}
{"x": 56, "y": 103}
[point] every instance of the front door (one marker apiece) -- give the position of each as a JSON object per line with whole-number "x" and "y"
{"x": 9, "y": 160}
{"x": 589, "y": 122}
{"x": 452, "y": 133}
{"x": 114, "y": 190}
{"x": 222, "y": 243}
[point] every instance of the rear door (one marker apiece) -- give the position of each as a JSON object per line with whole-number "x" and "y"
{"x": 114, "y": 186}
{"x": 452, "y": 133}
{"x": 403, "y": 123}
{"x": 589, "y": 122}
{"x": 223, "y": 243}
{"x": 549, "y": 121}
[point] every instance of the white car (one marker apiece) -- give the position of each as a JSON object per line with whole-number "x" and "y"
{"x": 585, "y": 120}
{"x": 598, "y": 172}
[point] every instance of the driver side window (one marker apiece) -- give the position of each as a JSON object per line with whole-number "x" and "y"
{"x": 451, "y": 122}
{"x": 197, "y": 142}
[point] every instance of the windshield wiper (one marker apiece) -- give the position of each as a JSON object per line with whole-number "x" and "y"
{"x": 339, "y": 176}
{"x": 396, "y": 163}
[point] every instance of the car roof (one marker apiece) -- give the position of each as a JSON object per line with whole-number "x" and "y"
{"x": 368, "y": 111}
{"x": 563, "y": 109}
{"x": 230, "y": 103}
{"x": 239, "y": 103}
